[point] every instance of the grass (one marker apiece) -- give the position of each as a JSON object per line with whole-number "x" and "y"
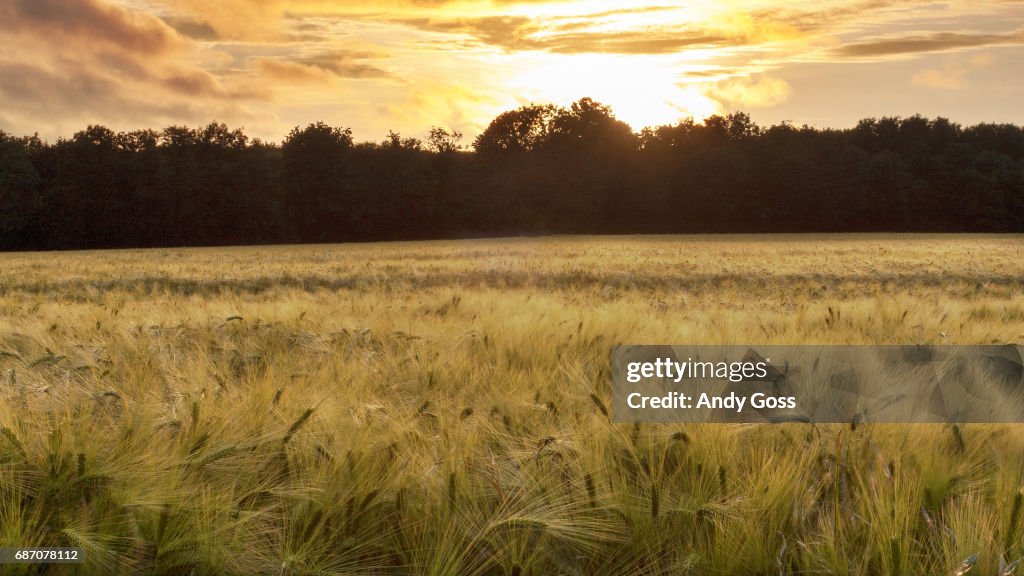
{"x": 440, "y": 408}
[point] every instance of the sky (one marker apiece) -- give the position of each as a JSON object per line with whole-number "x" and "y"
{"x": 408, "y": 65}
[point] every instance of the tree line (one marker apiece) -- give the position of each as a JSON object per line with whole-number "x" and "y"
{"x": 539, "y": 169}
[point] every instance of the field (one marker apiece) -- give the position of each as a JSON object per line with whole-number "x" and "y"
{"x": 440, "y": 408}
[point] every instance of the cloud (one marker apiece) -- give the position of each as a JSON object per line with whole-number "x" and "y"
{"x": 70, "y": 63}
{"x": 88, "y": 20}
{"x": 509, "y": 32}
{"x": 949, "y": 78}
{"x": 923, "y": 43}
{"x": 518, "y": 33}
{"x": 170, "y": 76}
{"x": 196, "y": 83}
{"x": 981, "y": 60}
{"x": 750, "y": 92}
{"x": 408, "y": 64}
{"x": 460, "y": 106}
{"x": 632, "y": 42}
{"x": 235, "y": 20}
{"x": 291, "y": 71}
{"x": 952, "y": 74}
{"x": 345, "y": 63}
{"x": 822, "y": 16}
{"x": 322, "y": 66}
{"x": 70, "y": 99}
{"x": 196, "y": 29}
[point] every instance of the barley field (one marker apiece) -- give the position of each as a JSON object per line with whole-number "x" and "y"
{"x": 440, "y": 408}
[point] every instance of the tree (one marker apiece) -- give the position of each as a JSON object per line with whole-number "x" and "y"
{"x": 314, "y": 161}
{"x": 88, "y": 187}
{"x": 443, "y": 141}
{"x": 590, "y": 126}
{"x": 394, "y": 141}
{"x": 535, "y": 169}
{"x": 589, "y": 156}
{"x": 519, "y": 131}
{"x": 20, "y": 203}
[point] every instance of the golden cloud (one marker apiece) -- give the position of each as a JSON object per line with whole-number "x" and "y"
{"x": 750, "y": 92}
{"x": 922, "y": 43}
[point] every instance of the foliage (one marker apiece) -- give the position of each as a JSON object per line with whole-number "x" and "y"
{"x": 533, "y": 170}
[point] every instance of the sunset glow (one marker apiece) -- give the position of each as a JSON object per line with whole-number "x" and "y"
{"x": 408, "y": 65}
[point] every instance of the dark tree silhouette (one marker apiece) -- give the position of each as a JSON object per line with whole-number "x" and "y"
{"x": 518, "y": 131}
{"x": 534, "y": 170}
{"x": 314, "y": 162}
{"x": 20, "y": 203}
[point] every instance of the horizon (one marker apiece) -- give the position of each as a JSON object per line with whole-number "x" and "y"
{"x": 467, "y": 144}
{"x": 406, "y": 66}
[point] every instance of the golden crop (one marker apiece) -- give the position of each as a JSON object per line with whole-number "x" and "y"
{"x": 441, "y": 408}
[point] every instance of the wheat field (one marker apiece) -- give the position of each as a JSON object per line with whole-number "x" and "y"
{"x": 440, "y": 408}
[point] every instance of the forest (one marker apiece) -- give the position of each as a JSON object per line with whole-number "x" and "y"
{"x": 539, "y": 169}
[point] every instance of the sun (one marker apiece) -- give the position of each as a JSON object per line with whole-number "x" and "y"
{"x": 642, "y": 90}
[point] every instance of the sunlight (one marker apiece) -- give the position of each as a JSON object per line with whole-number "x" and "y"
{"x": 642, "y": 90}
{"x": 625, "y": 13}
